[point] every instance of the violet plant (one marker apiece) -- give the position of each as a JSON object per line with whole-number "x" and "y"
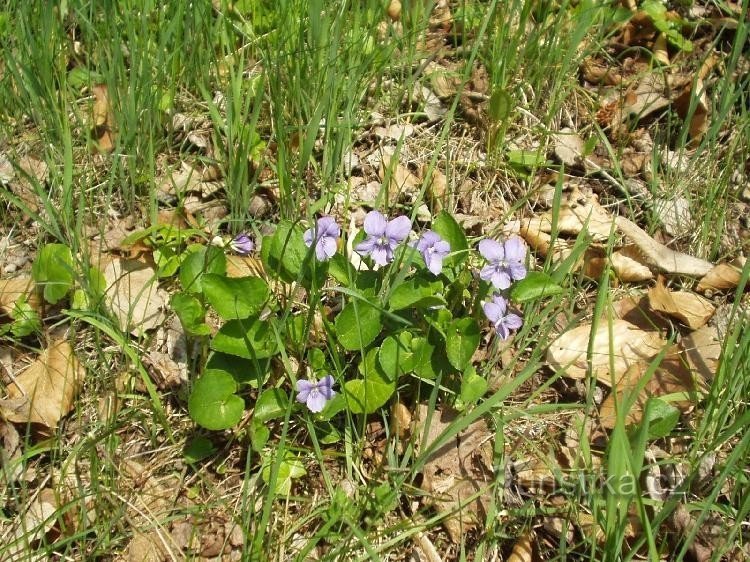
{"x": 414, "y": 310}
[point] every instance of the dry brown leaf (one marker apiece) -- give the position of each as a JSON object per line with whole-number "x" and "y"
{"x": 133, "y": 295}
{"x": 400, "y": 420}
{"x": 102, "y": 126}
{"x": 38, "y": 520}
{"x": 658, "y": 257}
{"x": 437, "y": 190}
{"x": 647, "y": 97}
{"x": 671, "y": 376}
{"x": 47, "y": 389}
{"x": 699, "y": 120}
{"x": 523, "y": 549}
{"x": 532, "y": 231}
{"x": 627, "y": 269}
{"x": 244, "y": 266}
{"x": 13, "y": 289}
{"x": 10, "y": 453}
{"x": 722, "y": 277}
{"x": 145, "y": 548}
{"x": 568, "y": 147}
{"x": 702, "y": 348}
{"x": 629, "y": 345}
{"x": 659, "y": 49}
{"x": 690, "y": 309}
{"x": 35, "y": 172}
{"x": 402, "y": 182}
{"x": 456, "y": 471}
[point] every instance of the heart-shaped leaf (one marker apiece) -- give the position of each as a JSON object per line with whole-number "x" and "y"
{"x": 395, "y": 356}
{"x": 198, "y": 261}
{"x": 251, "y": 338}
{"x": 535, "y": 285}
{"x": 191, "y": 314}
{"x": 417, "y": 292}
{"x": 369, "y": 393}
{"x": 461, "y": 341}
{"x": 357, "y": 325}
{"x": 271, "y": 404}
{"x": 53, "y": 270}
{"x": 213, "y": 403}
{"x": 235, "y": 298}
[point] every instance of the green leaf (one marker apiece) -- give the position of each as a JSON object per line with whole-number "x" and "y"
{"x": 289, "y": 469}
{"x": 235, "y": 298}
{"x": 191, "y": 314}
{"x": 357, "y": 325}
{"x": 526, "y": 158}
{"x": 259, "y": 435}
{"x": 271, "y": 404}
{"x": 452, "y": 232}
{"x": 341, "y": 269}
{"x": 251, "y": 338}
{"x": 198, "y": 449}
{"x": 423, "y": 361}
{"x": 283, "y": 253}
{"x": 500, "y": 106}
{"x": 473, "y": 386}
{"x": 417, "y": 292}
{"x": 395, "y": 355}
{"x": 244, "y": 371}
{"x": 462, "y": 340}
{"x": 369, "y": 393}
{"x": 53, "y": 269}
{"x": 167, "y": 261}
{"x": 26, "y": 320}
{"x": 535, "y": 285}
{"x": 661, "y": 417}
{"x": 213, "y": 403}
{"x": 199, "y": 261}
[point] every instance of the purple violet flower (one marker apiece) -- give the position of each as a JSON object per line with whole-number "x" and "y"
{"x": 315, "y": 394}
{"x": 506, "y": 261}
{"x": 497, "y": 312}
{"x": 325, "y": 234}
{"x": 383, "y": 236}
{"x": 433, "y": 249}
{"x": 242, "y": 244}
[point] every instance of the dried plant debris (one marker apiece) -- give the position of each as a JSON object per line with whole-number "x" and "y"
{"x": 456, "y": 471}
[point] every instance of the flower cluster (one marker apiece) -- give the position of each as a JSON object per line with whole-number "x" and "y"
{"x": 505, "y": 264}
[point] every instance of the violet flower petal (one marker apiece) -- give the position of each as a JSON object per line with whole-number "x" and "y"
{"x": 398, "y": 229}
{"x": 375, "y": 224}
{"x": 491, "y": 250}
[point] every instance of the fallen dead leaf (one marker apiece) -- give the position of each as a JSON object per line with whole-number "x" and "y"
{"x": 102, "y": 124}
{"x": 628, "y": 345}
{"x": 658, "y": 257}
{"x": 145, "y": 547}
{"x": 627, "y": 268}
{"x": 437, "y": 189}
{"x": 646, "y": 98}
{"x": 402, "y": 183}
{"x": 456, "y": 471}
{"x": 47, "y": 389}
{"x": 671, "y": 376}
{"x": 690, "y": 309}
{"x": 400, "y": 420}
{"x": 699, "y": 119}
{"x": 722, "y": 277}
{"x": 13, "y": 289}
{"x": 702, "y": 348}
{"x": 568, "y": 147}
{"x": 10, "y": 453}
{"x": 244, "y": 266}
{"x": 133, "y": 295}
{"x": 674, "y": 215}
{"x": 37, "y": 521}
{"x": 523, "y": 549}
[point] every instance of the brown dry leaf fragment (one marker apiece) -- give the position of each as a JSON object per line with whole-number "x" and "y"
{"x": 629, "y": 345}
{"x": 145, "y": 548}
{"x": 568, "y": 147}
{"x": 647, "y": 97}
{"x": 47, "y": 389}
{"x": 13, "y": 289}
{"x": 400, "y": 420}
{"x": 403, "y": 184}
{"x": 690, "y": 309}
{"x": 658, "y": 257}
{"x": 456, "y": 471}
{"x": 723, "y": 276}
{"x": 627, "y": 269}
{"x": 532, "y": 231}
{"x": 699, "y": 120}
{"x": 244, "y": 266}
{"x": 34, "y": 172}
{"x": 10, "y": 453}
{"x": 38, "y": 520}
{"x": 671, "y": 376}
{"x": 133, "y": 295}
{"x": 659, "y": 49}
{"x": 702, "y": 348}
{"x": 674, "y": 215}
{"x": 523, "y": 549}
{"x": 102, "y": 120}
{"x": 437, "y": 190}
{"x": 394, "y": 10}
{"x": 684, "y": 525}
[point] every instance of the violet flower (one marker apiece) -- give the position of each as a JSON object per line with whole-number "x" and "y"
{"x": 242, "y": 244}
{"x": 506, "y": 261}
{"x": 497, "y": 312}
{"x": 325, "y": 234}
{"x": 433, "y": 249}
{"x": 315, "y": 394}
{"x": 383, "y": 236}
